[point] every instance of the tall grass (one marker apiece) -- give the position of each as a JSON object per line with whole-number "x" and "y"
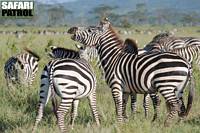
{"x": 18, "y": 105}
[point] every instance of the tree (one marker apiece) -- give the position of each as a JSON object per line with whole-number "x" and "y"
{"x": 141, "y": 12}
{"x": 103, "y": 11}
{"x": 191, "y": 18}
{"x": 56, "y": 15}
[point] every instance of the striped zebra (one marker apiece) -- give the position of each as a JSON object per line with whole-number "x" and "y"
{"x": 188, "y": 49}
{"x": 153, "y": 72}
{"x": 167, "y": 42}
{"x": 21, "y": 68}
{"x": 71, "y": 78}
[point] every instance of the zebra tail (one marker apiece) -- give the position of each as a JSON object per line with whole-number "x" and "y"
{"x": 32, "y": 53}
{"x": 190, "y": 96}
{"x": 53, "y": 92}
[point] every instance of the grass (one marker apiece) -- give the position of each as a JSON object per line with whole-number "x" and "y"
{"x": 18, "y": 105}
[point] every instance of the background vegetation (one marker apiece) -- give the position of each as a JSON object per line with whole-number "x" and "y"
{"x": 18, "y": 105}
{"x": 155, "y": 12}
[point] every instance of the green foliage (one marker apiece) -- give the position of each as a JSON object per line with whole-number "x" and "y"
{"x": 18, "y": 105}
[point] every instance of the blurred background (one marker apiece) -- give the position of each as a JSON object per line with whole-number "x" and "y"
{"x": 121, "y": 13}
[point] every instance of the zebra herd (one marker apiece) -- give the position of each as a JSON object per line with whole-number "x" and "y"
{"x": 163, "y": 66}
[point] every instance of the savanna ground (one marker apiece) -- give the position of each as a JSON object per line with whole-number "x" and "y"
{"x": 18, "y": 106}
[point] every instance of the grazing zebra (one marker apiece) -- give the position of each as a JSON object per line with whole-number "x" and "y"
{"x": 190, "y": 49}
{"x": 25, "y": 64}
{"x": 71, "y": 79}
{"x": 153, "y": 72}
{"x": 167, "y": 42}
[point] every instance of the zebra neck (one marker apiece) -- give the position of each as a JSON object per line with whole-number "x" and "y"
{"x": 108, "y": 55}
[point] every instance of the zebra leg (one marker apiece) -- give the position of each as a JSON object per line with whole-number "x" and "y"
{"x": 8, "y": 83}
{"x": 93, "y": 106}
{"x": 133, "y": 103}
{"x": 182, "y": 108}
{"x": 125, "y": 100}
{"x": 156, "y": 104}
{"x": 39, "y": 116}
{"x": 54, "y": 103}
{"x": 63, "y": 108}
{"x": 182, "y": 111}
{"x": 146, "y": 104}
{"x": 74, "y": 111}
{"x": 172, "y": 103}
{"x": 117, "y": 96}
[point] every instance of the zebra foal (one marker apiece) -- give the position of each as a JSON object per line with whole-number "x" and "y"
{"x": 71, "y": 79}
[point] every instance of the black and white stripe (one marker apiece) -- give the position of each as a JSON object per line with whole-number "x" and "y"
{"x": 70, "y": 79}
{"x": 129, "y": 47}
{"x": 166, "y": 73}
{"x": 21, "y": 68}
{"x": 188, "y": 49}
{"x": 167, "y": 42}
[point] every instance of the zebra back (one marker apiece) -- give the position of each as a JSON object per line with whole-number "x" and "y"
{"x": 88, "y": 53}
{"x": 60, "y": 52}
{"x": 36, "y": 56}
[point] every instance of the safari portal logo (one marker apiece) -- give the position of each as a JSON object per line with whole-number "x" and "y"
{"x": 17, "y": 9}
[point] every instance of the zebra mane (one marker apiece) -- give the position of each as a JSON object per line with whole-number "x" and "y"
{"x": 130, "y": 46}
{"x": 63, "y": 49}
{"x": 117, "y": 36}
{"x": 32, "y": 53}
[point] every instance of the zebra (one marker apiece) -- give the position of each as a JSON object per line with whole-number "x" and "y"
{"x": 25, "y": 64}
{"x": 71, "y": 79}
{"x": 190, "y": 49}
{"x": 190, "y": 52}
{"x": 145, "y": 73}
{"x": 167, "y": 42}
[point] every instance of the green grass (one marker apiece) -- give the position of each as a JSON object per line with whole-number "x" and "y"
{"x": 18, "y": 106}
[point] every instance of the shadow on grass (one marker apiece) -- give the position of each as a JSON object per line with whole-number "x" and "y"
{"x": 193, "y": 121}
{"x": 24, "y": 103}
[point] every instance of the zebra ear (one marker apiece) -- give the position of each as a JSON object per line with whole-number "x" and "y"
{"x": 104, "y": 23}
{"x": 53, "y": 47}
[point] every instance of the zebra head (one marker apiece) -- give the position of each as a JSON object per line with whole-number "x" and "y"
{"x": 52, "y": 52}
{"x": 157, "y": 42}
{"x": 154, "y": 47}
{"x": 90, "y": 36}
{"x": 161, "y": 36}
